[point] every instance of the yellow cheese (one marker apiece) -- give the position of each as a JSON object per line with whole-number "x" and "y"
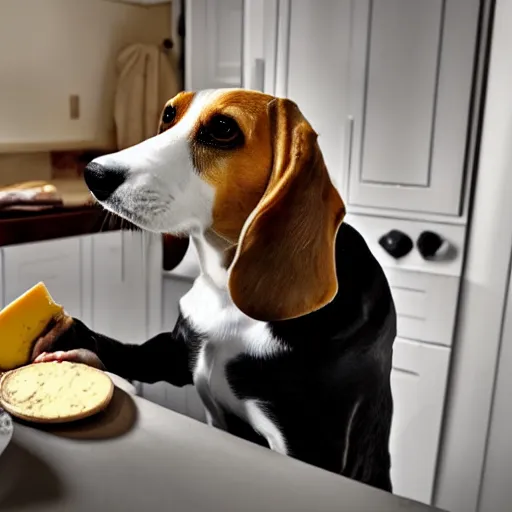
{"x": 22, "y": 322}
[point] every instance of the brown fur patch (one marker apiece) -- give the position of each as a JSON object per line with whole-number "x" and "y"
{"x": 239, "y": 176}
{"x": 181, "y": 102}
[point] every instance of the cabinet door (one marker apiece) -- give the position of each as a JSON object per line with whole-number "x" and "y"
{"x": 183, "y": 400}
{"x": 260, "y": 29}
{"x": 312, "y": 65}
{"x": 418, "y": 384}
{"x": 213, "y": 50}
{"x": 411, "y": 79}
{"x": 57, "y": 263}
{"x": 119, "y": 286}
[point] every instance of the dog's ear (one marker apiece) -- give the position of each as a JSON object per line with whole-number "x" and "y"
{"x": 284, "y": 266}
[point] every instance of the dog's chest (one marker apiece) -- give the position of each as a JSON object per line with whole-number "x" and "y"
{"x": 227, "y": 334}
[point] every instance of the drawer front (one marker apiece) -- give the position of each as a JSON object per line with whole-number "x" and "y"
{"x": 426, "y": 305}
{"x": 418, "y": 383}
{"x": 57, "y": 263}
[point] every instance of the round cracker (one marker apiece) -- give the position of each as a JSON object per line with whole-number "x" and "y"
{"x": 55, "y": 392}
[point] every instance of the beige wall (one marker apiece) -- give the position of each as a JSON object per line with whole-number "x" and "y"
{"x": 50, "y": 49}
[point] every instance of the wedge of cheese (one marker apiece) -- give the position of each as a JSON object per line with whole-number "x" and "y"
{"x": 22, "y": 322}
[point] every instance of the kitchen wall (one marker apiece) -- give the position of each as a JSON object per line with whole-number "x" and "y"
{"x": 52, "y": 49}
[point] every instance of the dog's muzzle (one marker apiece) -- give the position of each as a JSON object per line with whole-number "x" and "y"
{"x": 103, "y": 181}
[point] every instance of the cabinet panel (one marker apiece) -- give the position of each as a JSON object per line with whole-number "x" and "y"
{"x": 214, "y": 44}
{"x": 411, "y": 78}
{"x": 57, "y": 263}
{"x": 119, "y": 286}
{"x": 418, "y": 384}
{"x": 183, "y": 400}
{"x": 260, "y": 19}
{"x": 410, "y": 125}
{"x": 318, "y": 52}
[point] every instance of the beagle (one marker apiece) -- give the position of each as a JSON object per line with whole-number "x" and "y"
{"x": 287, "y": 333}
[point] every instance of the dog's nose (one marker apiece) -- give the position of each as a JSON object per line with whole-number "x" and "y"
{"x": 103, "y": 181}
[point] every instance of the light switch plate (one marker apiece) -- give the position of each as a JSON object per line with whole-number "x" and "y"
{"x": 74, "y": 106}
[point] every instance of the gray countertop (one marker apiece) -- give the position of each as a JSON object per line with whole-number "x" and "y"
{"x": 138, "y": 456}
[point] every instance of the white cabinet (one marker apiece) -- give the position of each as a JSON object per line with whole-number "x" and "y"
{"x": 184, "y": 400}
{"x": 214, "y": 44}
{"x": 418, "y": 384}
{"x": 119, "y": 304}
{"x": 315, "y": 53}
{"x": 411, "y": 72}
{"x": 161, "y": 392}
{"x": 388, "y": 86}
{"x": 57, "y": 263}
{"x": 111, "y": 281}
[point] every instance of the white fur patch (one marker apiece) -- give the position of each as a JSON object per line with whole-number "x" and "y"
{"x": 262, "y": 423}
{"x": 163, "y": 193}
{"x": 228, "y": 333}
{"x": 347, "y": 434}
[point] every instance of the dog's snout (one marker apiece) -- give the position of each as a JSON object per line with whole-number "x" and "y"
{"x": 103, "y": 180}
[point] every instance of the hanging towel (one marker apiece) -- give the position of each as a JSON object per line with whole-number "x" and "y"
{"x": 146, "y": 79}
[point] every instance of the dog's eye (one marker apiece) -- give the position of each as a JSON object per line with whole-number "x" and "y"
{"x": 169, "y": 114}
{"x": 223, "y": 128}
{"x": 222, "y": 132}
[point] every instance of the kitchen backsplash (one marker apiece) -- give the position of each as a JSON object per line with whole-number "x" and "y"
{"x": 18, "y": 167}
{"x": 71, "y": 164}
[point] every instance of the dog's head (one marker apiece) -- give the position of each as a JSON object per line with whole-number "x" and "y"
{"x": 247, "y": 167}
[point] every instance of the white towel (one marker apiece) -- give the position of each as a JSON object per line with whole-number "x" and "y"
{"x": 146, "y": 79}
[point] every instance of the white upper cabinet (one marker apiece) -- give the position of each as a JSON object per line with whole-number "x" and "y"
{"x": 410, "y": 88}
{"x": 214, "y": 44}
{"x": 387, "y": 85}
{"x": 312, "y": 65}
{"x": 259, "y": 44}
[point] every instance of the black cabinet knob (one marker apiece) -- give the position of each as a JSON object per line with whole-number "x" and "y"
{"x": 432, "y": 246}
{"x": 396, "y": 243}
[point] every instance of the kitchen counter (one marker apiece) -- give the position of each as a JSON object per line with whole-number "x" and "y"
{"x": 77, "y": 216}
{"x": 160, "y": 460}
{"x": 18, "y": 227}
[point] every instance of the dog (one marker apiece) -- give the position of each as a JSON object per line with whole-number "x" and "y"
{"x": 288, "y": 331}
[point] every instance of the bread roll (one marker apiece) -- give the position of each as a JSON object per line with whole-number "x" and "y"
{"x": 55, "y": 392}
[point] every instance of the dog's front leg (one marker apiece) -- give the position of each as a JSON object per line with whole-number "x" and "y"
{"x": 262, "y": 422}
{"x": 164, "y": 357}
